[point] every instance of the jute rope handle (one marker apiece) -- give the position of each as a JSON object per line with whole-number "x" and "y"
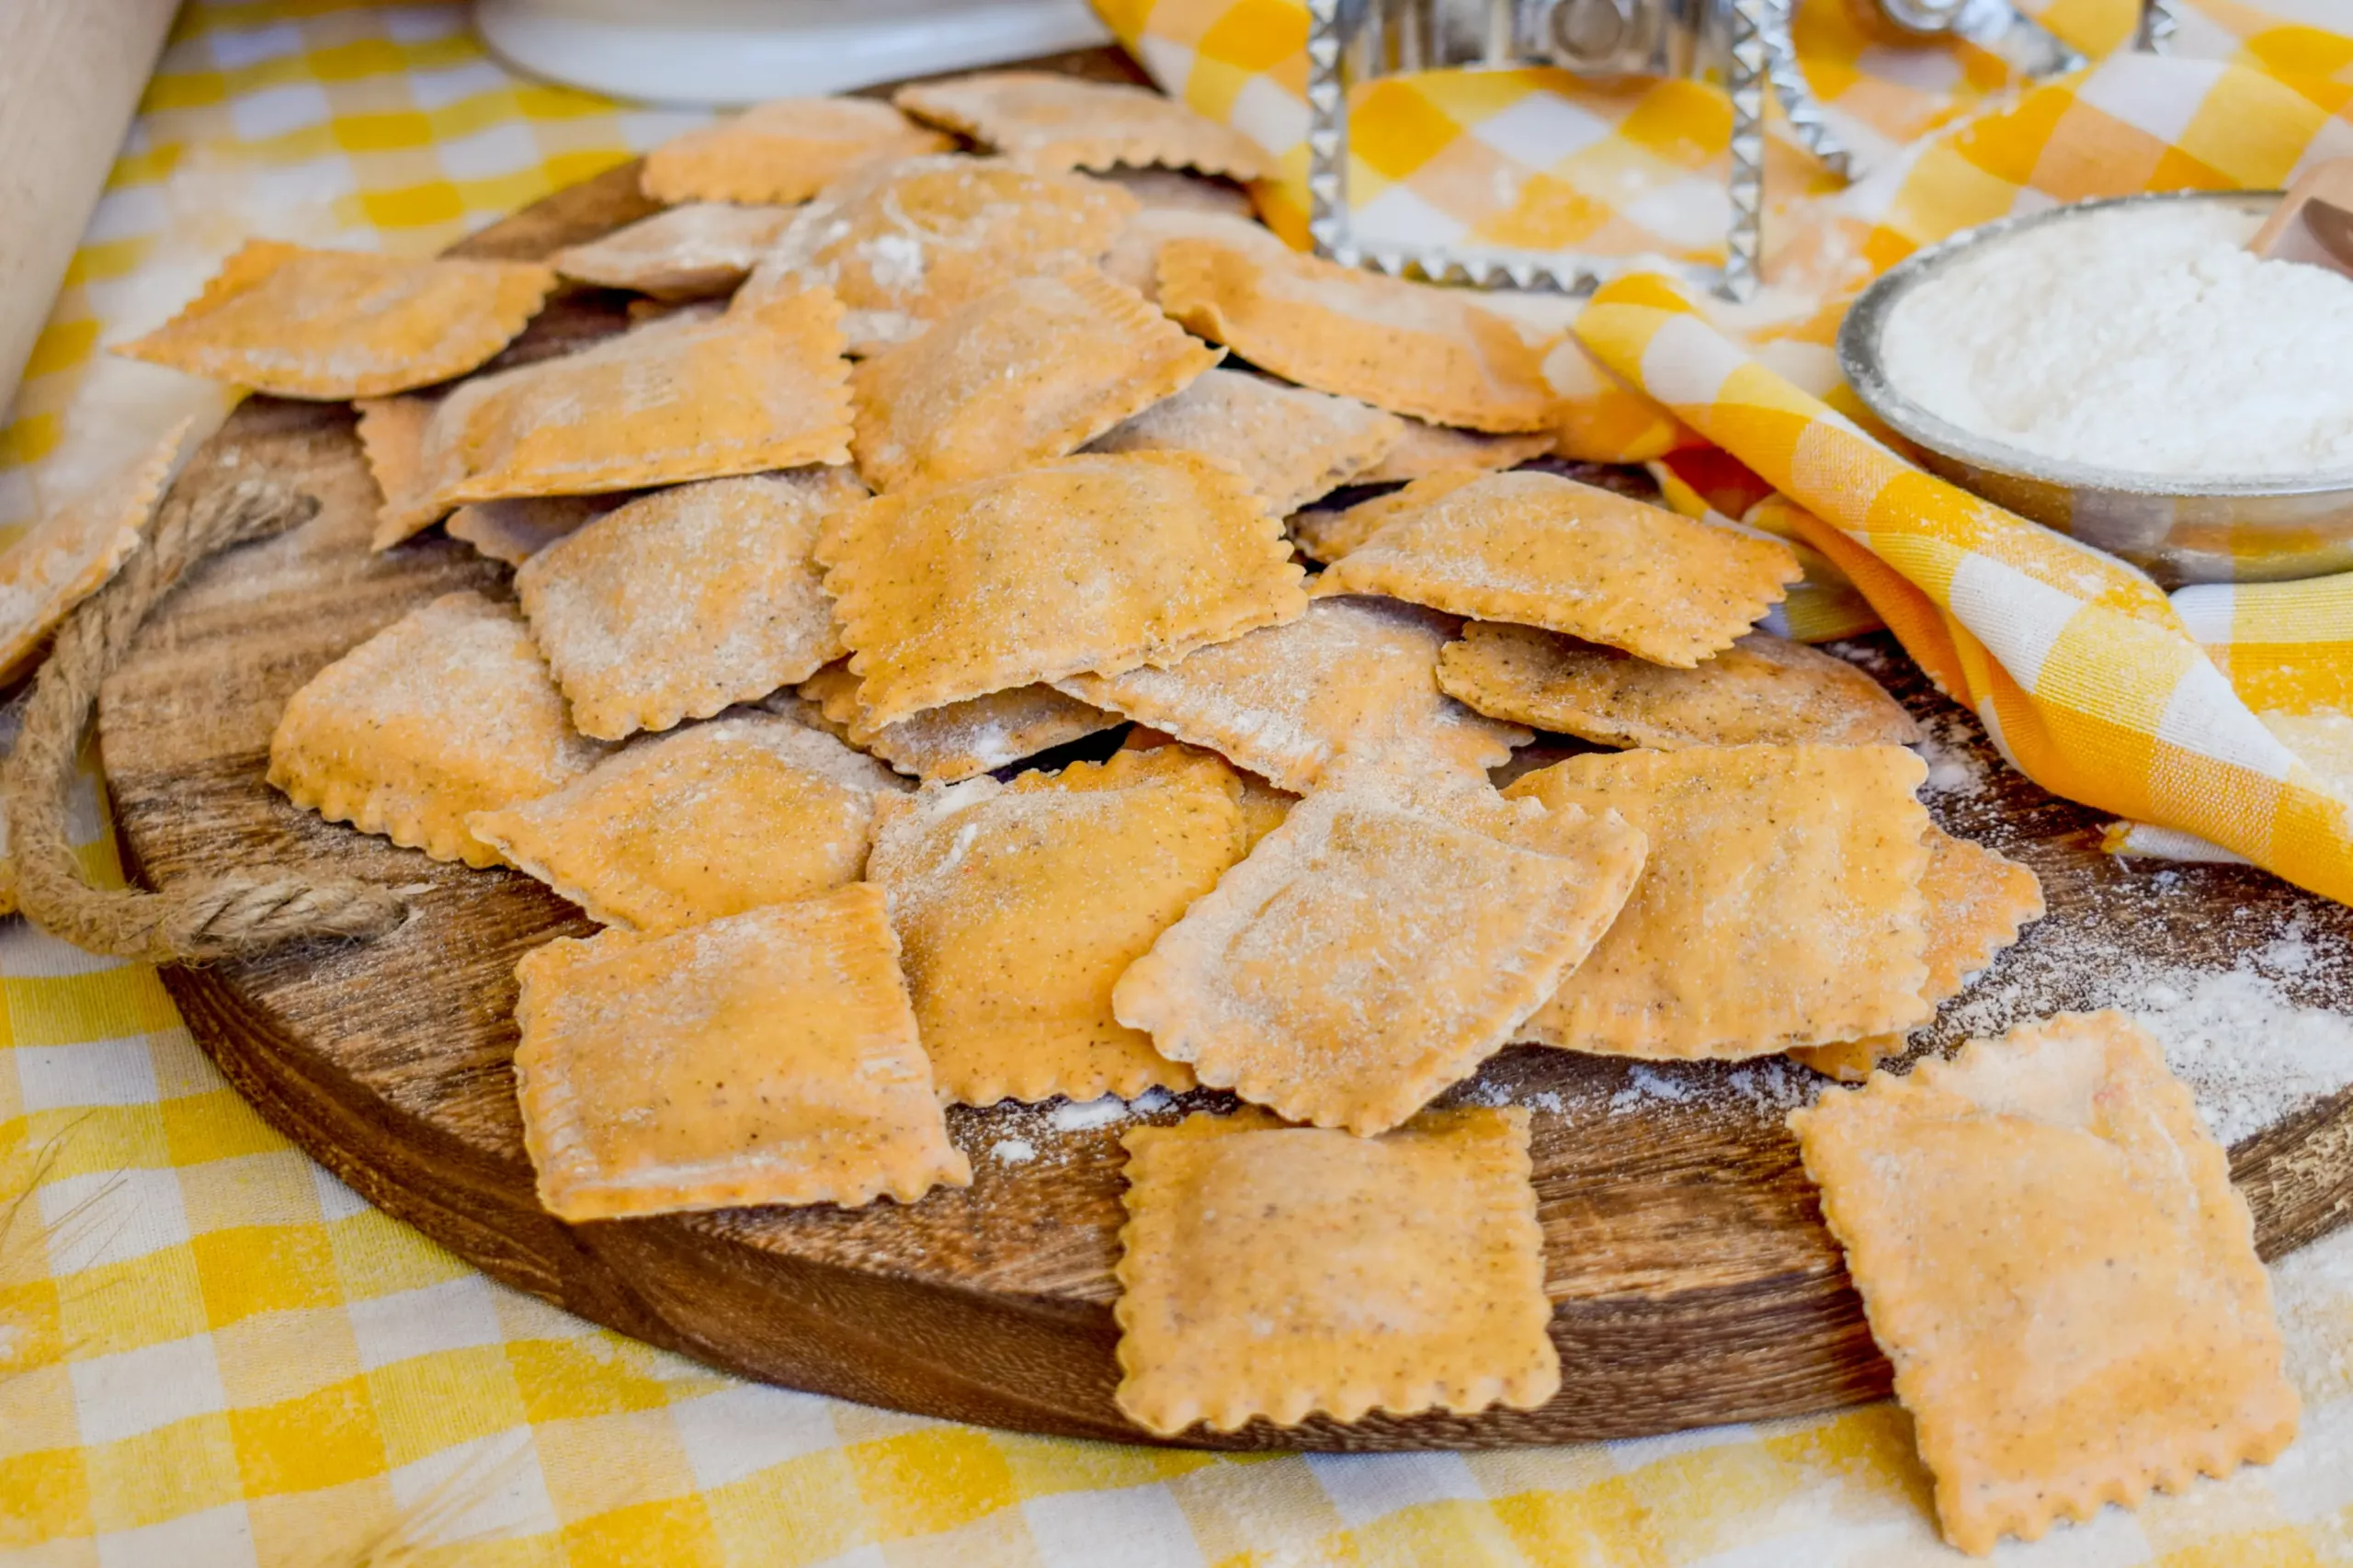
{"x": 244, "y": 912}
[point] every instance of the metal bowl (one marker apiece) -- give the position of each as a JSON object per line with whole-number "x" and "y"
{"x": 2179, "y": 530}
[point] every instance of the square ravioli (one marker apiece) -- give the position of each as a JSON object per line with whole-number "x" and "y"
{"x": 68, "y": 554}
{"x": 706, "y": 822}
{"x": 1019, "y": 906}
{"x": 688, "y": 600}
{"x": 782, "y": 152}
{"x": 1174, "y": 191}
{"x": 1781, "y": 904}
{"x": 1091, "y": 563}
{"x": 1761, "y": 690}
{"x": 1034, "y": 370}
{"x": 1281, "y": 1272}
{"x": 1264, "y": 805}
{"x": 1049, "y": 121}
{"x": 2047, "y": 1242}
{"x": 678, "y": 399}
{"x": 513, "y": 531}
{"x": 1424, "y": 449}
{"x": 392, "y": 437}
{"x": 1351, "y": 675}
{"x": 906, "y": 241}
{"x": 769, "y": 1057}
{"x": 446, "y": 713}
{"x": 1134, "y": 260}
{"x": 943, "y": 746}
{"x": 1375, "y": 948}
{"x": 1292, "y": 444}
{"x": 1328, "y": 533}
{"x": 1976, "y": 901}
{"x": 1413, "y": 348}
{"x": 683, "y": 252}
{"x": 1538, "y": 550}
{"x": 334, "y": 324}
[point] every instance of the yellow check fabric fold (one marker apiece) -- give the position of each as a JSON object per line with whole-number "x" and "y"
{"x": 2078, "y": 665}
{"x": 2098, "y": 688}
{"x": 2287, "y": 647}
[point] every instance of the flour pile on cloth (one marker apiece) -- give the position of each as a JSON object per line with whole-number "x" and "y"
{"x": 2143, "y": 338}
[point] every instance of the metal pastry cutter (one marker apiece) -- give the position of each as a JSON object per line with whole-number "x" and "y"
{"x": 1746, "y": 42}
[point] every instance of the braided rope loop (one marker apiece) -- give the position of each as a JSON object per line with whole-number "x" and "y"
{"x": 229, "y": 916}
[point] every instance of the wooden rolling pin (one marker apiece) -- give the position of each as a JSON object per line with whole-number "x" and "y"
{"x": 71, "y": 73}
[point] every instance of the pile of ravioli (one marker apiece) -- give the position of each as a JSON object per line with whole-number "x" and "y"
{"x": 921, "y": 462}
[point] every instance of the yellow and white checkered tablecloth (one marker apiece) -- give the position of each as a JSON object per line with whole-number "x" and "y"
{"x": 213, "y": 1353}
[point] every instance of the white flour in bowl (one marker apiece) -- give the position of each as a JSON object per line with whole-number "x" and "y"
{"x": 2143, "y": 338}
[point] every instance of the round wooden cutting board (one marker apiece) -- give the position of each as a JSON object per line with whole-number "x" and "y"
{"x": 1694, "y": 1281}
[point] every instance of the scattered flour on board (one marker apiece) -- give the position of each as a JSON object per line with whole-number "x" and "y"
{"x": 1074, "y": 1118}
{"x": 1955, "y": 766}
{"x": 1766, "y": 1083}
{"x": 2245, "y": 1040}
{"x": 2251, "y": 1052}
{"x": 1768, "y": 1087}
{"x": 1018, "y": 1134}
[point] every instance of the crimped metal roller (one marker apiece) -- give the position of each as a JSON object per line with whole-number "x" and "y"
{"x": 1743, "y": 43}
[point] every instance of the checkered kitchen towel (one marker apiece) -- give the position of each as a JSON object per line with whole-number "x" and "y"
{"x": 2095, "y": 686}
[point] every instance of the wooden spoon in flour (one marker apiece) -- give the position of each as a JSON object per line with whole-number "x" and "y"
{"x": 2314, "y": 222}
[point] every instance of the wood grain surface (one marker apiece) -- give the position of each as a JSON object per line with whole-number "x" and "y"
{"x": 1694, "y": 1281}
